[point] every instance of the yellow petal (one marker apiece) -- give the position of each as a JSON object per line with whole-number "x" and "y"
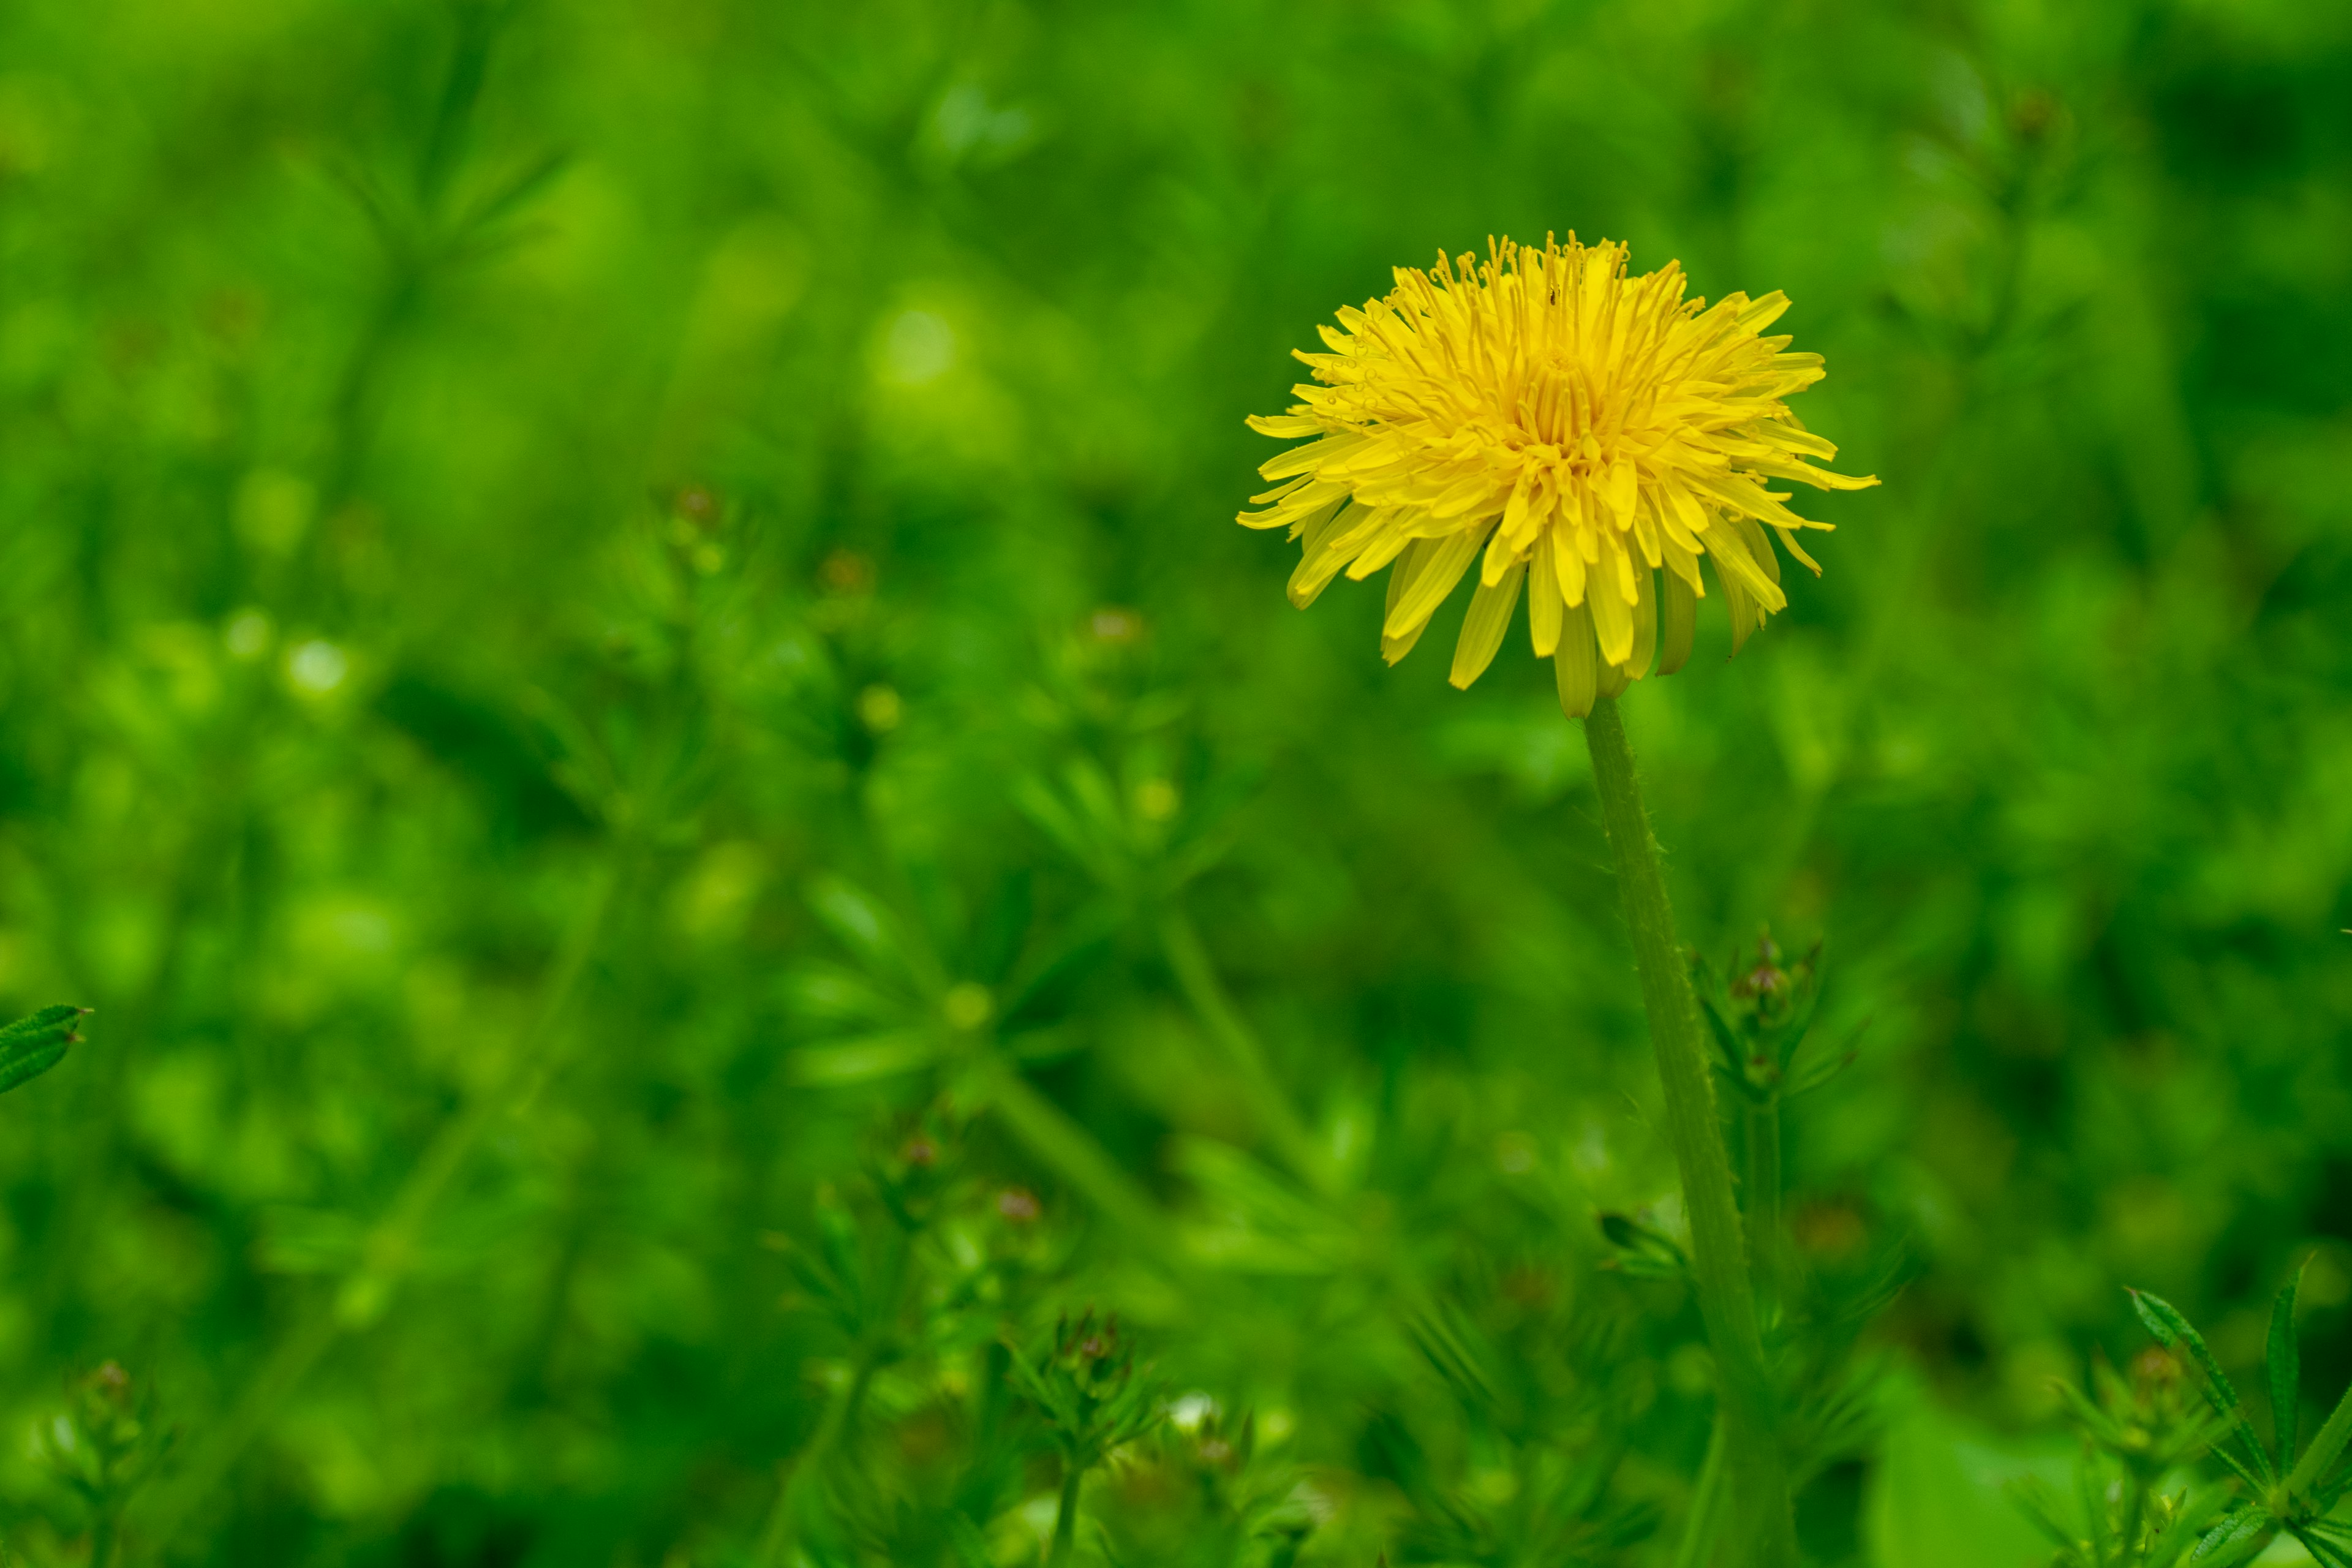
{"x": 1411, "y": 563}
{"x": 1737, "y": 603}
{"x": 1759, "y": 545}
{"x": 1727, "y": 545}
{"x": 1573, "y": 664}
{"x": 1763, "y": 313}
{"x": 1483, "y": 628}
{"x": 1388, "y": 542}
{"x": 1501, "y": 556}
{"x": 1544, "y": 603}
{"x": 1290, "y": 426}
{"x": 1612, "y": 614}
{"x": 1679, "y": 615}
{"x": 1645, "y": 531}
{"x": 1619, "y": 490}
{"x": 1312, "y": 456}
{"x": 1443, "y": 561}
{"x": 1297, "y": 504}
{"x": 1394, "y": 650}
{"x": 1645, "y": 623}
{"x": 1568, "y": 564}
{"x": 1324, "y": 553}
{"x": 1269, "y": 497}
{"x": 1515, "y": 510}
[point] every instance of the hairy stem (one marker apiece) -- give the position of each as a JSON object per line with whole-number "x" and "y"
{"x": 1765, "y": 1526}
{"x": 1065, "y": 1515}
{"x": 1763, "y": 1207}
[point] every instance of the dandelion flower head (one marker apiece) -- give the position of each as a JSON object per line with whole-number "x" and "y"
{"x": 1589, "y": 435}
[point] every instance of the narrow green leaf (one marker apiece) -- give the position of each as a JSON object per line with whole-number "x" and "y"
{"x": 2234, "y": 1539}
{"x": 2284, "y": 1364}
{"x": 2197, "y": 1511}
{"x": 1727, "y": 1043}
{"x": 2325, "y": 1448}
{"x": 2238, "y": 1467}
{"x": 32, "y": 1046}
{"x": 970, "y": 1545}
{"x": 2035, "y": 1501}
{"x": 863, "y": 1060}
{"x": 868, "y": 927}
{"x": 2324, "y": 1551}
{"x": 2090, "y": 1493}
{"x": 2165, "y": 1321}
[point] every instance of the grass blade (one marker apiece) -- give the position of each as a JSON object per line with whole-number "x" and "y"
{"x": 2165, "y": 1321}
{"x": 2284, "y": 1364}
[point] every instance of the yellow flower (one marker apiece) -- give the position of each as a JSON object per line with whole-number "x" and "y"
{"x": 1562, "y": 424}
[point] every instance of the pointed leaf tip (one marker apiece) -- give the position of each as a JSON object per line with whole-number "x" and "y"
{"x": 2282, "y": 1362}
{"x": 32, "y": 1046}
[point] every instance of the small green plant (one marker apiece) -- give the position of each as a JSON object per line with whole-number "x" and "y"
{"x": 1761, "y": 1017}
{"x": 2138, "y": 1506}
{"x": 104, "y": 1446}
{"x": 1084, "y": 1382}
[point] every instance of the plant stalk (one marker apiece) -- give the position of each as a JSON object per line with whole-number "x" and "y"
{"x": 1763, "y": 1193}
{"x": 1065, "y": 1516}
{"x": 1765, "y": 1523}
{"x": 1707, "y": 1500}
{"x": 1196, "y": 975}
{"x": 782, "y": 1535}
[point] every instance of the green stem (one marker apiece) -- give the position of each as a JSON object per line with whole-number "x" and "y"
{"x": 1764, "y": 1196}
{"x": 1065, "y": 1516}
{"x": 1196, "y": 975}
{"x": 1079, "y": 1160}
{"x": 365, "y": 1292}
{"x": 1726, "y": 1300}
{"x": 1707, "y": 1500}
{"x": 781, "y": 1533}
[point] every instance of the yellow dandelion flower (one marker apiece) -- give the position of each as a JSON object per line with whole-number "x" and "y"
{"x": 1588, "y": 434}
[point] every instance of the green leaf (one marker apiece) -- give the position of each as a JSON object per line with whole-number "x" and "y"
{"x": 1647, "y": 1252}
{"x": 1451, "y": 1344}
{"x": 866, "y": 927}
{"x": 2324, "y": 1449}
{"x": 2165, "y": 1321}
{"x": 32, "y": 1046}
{"x": 2284, "y": 1364}
{"x": 2039, "y": 1505}
{"x": 2197, "y": 1511}
{"x": 1939, "y": 1494}
{"x": 2235, "y": 1539}
{"x": 1001, "y": 929}
{"x": 1734, "y": 1064}
{"x": 2324, "y": 1551}
{"x": 970, "y": 1545}
{"x": 863, "y": 1060}
{"x": 1051, "y": 817}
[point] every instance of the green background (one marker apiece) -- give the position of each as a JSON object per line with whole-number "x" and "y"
{"x": 523, "y": 529}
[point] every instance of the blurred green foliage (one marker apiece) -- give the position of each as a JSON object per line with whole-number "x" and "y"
{"x": 619, "y": 636}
